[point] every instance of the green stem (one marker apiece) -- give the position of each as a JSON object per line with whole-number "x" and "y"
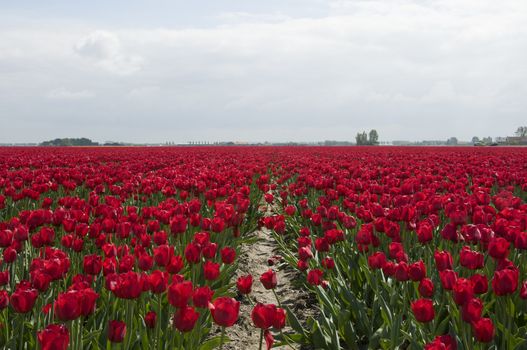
{"x": 223, "y": 338}
{"x": 277, "y": 300}
{"x": 261, "y": 339}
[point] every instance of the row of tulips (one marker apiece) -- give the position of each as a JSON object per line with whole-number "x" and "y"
{"x": 412, "y": 248}
{"x": 136, "y": 248}
{"x": 125, "y": 248}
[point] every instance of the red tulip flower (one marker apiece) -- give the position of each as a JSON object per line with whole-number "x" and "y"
{"x": 268, "y": 279}
{"x": 54, "y": 337}
{"x": 150, "y": 319}
{"x": 225, "y": 311}
{"x": 202, "y": 296}
{"x": 423, "y": 310}
{"x": 116, "y": 331}
{"x": 185, "y": 318}
{"x": 483, "y": 330}
{"x": 23, "y": 299}
{"x": 244, "y": 284}
{"x": 180, "y": 293}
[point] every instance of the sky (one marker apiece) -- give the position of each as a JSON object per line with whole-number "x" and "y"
{"x": 275, "y": 70}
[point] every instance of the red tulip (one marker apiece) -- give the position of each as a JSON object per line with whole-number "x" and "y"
{"x": 480, "y": 283}
{"x": 470, "y": 259}
{"x": 92, "y": 264}
{"x": 314, "y": 277}
{"x": 67, "y": 306}
{"x": 263, "y": 315}
{"x": 202, "y": 296}
{"x": 180, "y": 293}
{"x": 448, "y": 279}
{"x": 462, "y": 291}
{"x": 211, "y": 270}
{"x": 426, "y": 288}
{"x": 377, "y": 260}
{"x": 523, "y": 291}
{"x": 4, "y": 299}
{"x": 417, "y": 271}
{"x": 471, "y": 310}
{"x": 225, "y": 311}
{"x": 423, "y": 310}
{"x": 268, "y": 279}
{"x": 443, "y": 260}
{"x": 483, "y": 330}
{"x": 23, "y": 299}
{"x": 150, "y": 319}
{"x": 54, "y": 337}
{"x": 228, "y": 255}
{"x": 158, "y": 281}
{"x": 279, "y": 318}
{"x": 116, "y": 331}
{"x": 505, "y": 281}
{"x": 185, "y": 318}
{"x": 499, "y": 248}
{"x": 244, "y": 284}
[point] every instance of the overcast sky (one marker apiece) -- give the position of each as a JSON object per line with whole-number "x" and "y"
{"x": 275, "y": 70}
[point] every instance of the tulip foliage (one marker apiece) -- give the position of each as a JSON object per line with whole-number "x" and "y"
{"x": 137, "y": 248}
{"x": 407, "y": 247}
{"x": 134, "y": 248}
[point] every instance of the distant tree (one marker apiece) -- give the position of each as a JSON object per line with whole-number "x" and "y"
{"x": 452, "y": 141}
{"x": 361, "y": 138}
{"x": 373, "y": 137}
{"x": 475, "y": 139}
{"x": 521, "y": 131}
{"x": 70, "y": 142}
{"x": 487, "y": 140}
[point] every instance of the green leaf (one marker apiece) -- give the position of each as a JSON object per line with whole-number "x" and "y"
{"x": 213, "y": 343}
{"x": 293, "y": 321}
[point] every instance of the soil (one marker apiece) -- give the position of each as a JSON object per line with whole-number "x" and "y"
{"x": 254, "y": 261}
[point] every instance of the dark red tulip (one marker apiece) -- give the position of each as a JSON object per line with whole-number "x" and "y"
{"x": 54, "y": 337}
{"x": 426, "y": 288}
{"x": 471, "y": 310}
{"x": 185, "y": 318}
{"x": 211, "y": 270}
{"x": 244, "y": 284}
{"x": 116, "y": 331}
{"x": 202, "y": 296}
{"x": 268, "y": 279}
{"x": 314, "y": 277}
{"x": 423, "y": 310}
{"x": 150, "y": 319}
{"x": 263, "y": 315}
{"x": 228, "y": 255}
{"x": 92, "y": 264}
{"x": 225, "y": 311}
{"x": 498, "y": 248}
{"x": 505, "y": 281}
{"x": 23, "y": 299}
{"x": 483, "y": 330}
{"x": 180, "y": 293}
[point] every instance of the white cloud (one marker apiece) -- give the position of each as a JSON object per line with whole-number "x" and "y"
{"x": 65, "y": 94}
{"x": 105, "y": 49}
{"x": 410, "y": 69}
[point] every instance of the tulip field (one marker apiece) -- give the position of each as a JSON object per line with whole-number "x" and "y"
{"x": 139, "y": 247}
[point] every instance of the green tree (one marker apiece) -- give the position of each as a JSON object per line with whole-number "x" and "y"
{"x": 521, "y": 131}
{"x": 452, "y": 141}
{"x": 373, "y": 137}
{"x": 361, "y": 138}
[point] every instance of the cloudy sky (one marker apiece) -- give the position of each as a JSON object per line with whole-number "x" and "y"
{"x": 275, "y": 70}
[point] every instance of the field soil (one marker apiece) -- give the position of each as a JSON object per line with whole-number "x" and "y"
{"x": 254, "y": 260}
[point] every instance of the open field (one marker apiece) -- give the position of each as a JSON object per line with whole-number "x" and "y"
{"x": 346, "y": 248}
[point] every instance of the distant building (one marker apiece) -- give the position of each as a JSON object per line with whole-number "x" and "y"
{"x": 516, "y": 140}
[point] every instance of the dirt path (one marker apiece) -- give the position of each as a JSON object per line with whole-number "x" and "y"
{"x": 254, "y": 261}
